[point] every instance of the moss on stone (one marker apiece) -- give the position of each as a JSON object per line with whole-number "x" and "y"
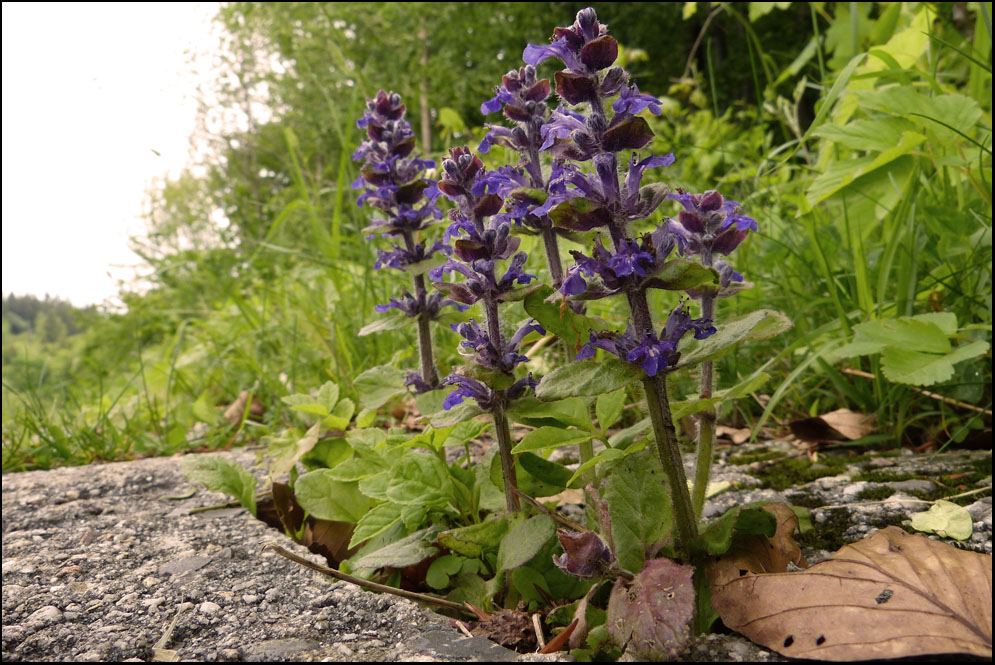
{"x": 759, "y": 455}
{"x": 797, "y": 471}
{"x": 875, "y": 493}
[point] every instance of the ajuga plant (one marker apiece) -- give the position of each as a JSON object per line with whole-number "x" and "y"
{"x": 483, "y": 239}
{"x": 604, "y": 129}
{"x": 393, "y": 178}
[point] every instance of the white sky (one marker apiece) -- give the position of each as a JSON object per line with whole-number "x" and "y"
{"x": 89, "y": 92}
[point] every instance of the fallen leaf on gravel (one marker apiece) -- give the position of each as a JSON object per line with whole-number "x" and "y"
{"x": 946, "y": 519}
{"x": 891, "y": 595}
{"x": 838, "y": 425}
{"x": 737, "y": 435}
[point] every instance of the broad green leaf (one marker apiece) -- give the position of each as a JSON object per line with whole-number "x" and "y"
{"x": 286, "y": 451}
{"x": 761, "y": 9}
{"x": 394, "y": 322}
{"x": 760, "y": 324}
{"x": 471, "y": 541}
{"x": 312, "y": 406}
{"x": 420, "y": 479}
{"x": 945, "y": 519}
{"x": 328, "y": 499}
{"x": 609, "y": 408}
{"x": 639, "y": 507}
{"x": 376, "y": 521}
{"x": 327, "y": 454}
{"x": 924, "y": 369}
{"x": 945, "y": 321}
{"x": 523, "y": 541}
{"x": 356, "y": 469}
{"x": 603, "y": 455}
{"x": 413, "y": 516}
{"x": 681, "y": 274}
{"x": 622, "y": 439}
{"x": 571, "y": 411}
{"x": 438, "y": 573}
{"x": 877, "y": 134}
{"x": 465, "y": 431}
{"x": 405, "y": 552}
{"x": 546, "y": 472}
{"x": 560, "y": 319}
{"x": 341, "y": 415}
{"x": 905, "y": 333}
{"x": 692, "y": 406}
{"x": 462, "y": 412}
{"x": 376, "y": 386}
{"x": 956, "y": 110}
{"x": 222, "y": 475}
{"x": 430, "y": 402}
{"x": 328, "y": 395}
{"x": 841, "y": 174}
{"x": 550, "y": 437}
{"x": 375, "y": 486}
{"x": 587, "y": 378}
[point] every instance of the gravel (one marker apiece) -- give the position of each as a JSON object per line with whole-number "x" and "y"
{"x": 100, "y": 564}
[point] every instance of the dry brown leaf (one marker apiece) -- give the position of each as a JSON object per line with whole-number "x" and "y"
{"x": 891, "y": 595}
{"x": 233, "y": 413}
{"x": 737, "y": 435}
{"x": 834, "y": 426}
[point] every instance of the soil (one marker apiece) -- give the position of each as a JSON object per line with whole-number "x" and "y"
{"x": 105, "y": 563}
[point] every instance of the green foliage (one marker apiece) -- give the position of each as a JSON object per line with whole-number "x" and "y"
{"x": 222, "y": 475}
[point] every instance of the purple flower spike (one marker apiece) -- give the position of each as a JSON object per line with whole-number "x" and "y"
{"x": 709, "y": 223}
{"x": 467, "y": 388}
{"x": 584, "y": 555}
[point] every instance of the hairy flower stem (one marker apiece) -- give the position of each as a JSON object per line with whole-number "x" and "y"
{"x": 706, "y": 420}
{"x": 658, "y": 403}
{"x": 501, "y": 428}
{"x": 428, "y": 372}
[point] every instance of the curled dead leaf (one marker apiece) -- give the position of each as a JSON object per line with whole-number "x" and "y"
{"x": 234, "y": 412}
{"x": 838, "y": 425}
{"x": 890, "y": 595}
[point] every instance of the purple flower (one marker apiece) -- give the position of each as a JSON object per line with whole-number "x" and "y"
{"x": 631, "y": 101}
{"x": 709, "y": 223}
{"x": 412, "y": 306}
{"x": 654, "y": 353}
{"x": 467, "y": 388}
{"x": 479, "y": 342}
{"x": 630, "y": 260}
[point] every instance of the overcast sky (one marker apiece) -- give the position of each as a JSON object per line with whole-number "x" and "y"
{"x": 98, "y": 99}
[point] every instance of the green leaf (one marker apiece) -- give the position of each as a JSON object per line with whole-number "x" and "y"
{"x": 587, "y": 378}
{"x": 222, "y": 475}
{"x": 491, "y": 378}
{"x": 405, "y": 552}
{"x": 438, "y": 573}
{"x": 523, "y": 541}
{"x": 375, "y": 522}
{"x": 639, "y": 507}
{"x": 328, "y": 499}
{"x": 375, "y": 486}
{"x": 681, "y": 274}
{"x": 462, "y": 412}
{"x": 465, "y": 431}
{"x": 692, "y": 406}
{"x": 760, "y": 324}
{"x": 905, "y": 333}
{"x": 356, "y": 469}
{"x": 393, "y": 322}
{"x": 560, "y": 319}
{"x": 609, "y": 408}
{"x": 945, "y": 519}
{"x": 375, "y": 387}
{"x": 840, "y": 175}
{"x": 579, "y": 214}
{"x": 287, "y": 450}
{"x": 471, "y": 541}
{"x": 716, "y": 538}
{"x": 622, "y": 439}
{"x": 420, "y": 479}
{"x": 530, "y": 411}
{"x": 423, "y": 267}
{"x": 877, "y": 134}
{"x": 341, "y": 415}
{"x": 327, "y": 454}
{"x": 546, "y": 472}
{"x": 603, "y": 455}
{"x": 550, "y": 437}
{"x": 924, "y": 369}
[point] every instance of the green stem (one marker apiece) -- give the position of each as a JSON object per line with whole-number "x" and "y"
{"x": 501, "y": 427}
{"x": 428, "y": 372}
{"x": 706, "y": 420}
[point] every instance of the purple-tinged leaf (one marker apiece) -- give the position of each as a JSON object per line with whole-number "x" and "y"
{"x": 600, "y": 53}
{"x": 487, "y": 205}
{"x": 412, "y": 192}
{"x": 457, "y": 292}
{"x": 575, "y": 88}
{"x": 631, "y": 134}
{"x": 651, "y": 616}
{"x": 580, "y": 214}
{"x": 584, "y": 555}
